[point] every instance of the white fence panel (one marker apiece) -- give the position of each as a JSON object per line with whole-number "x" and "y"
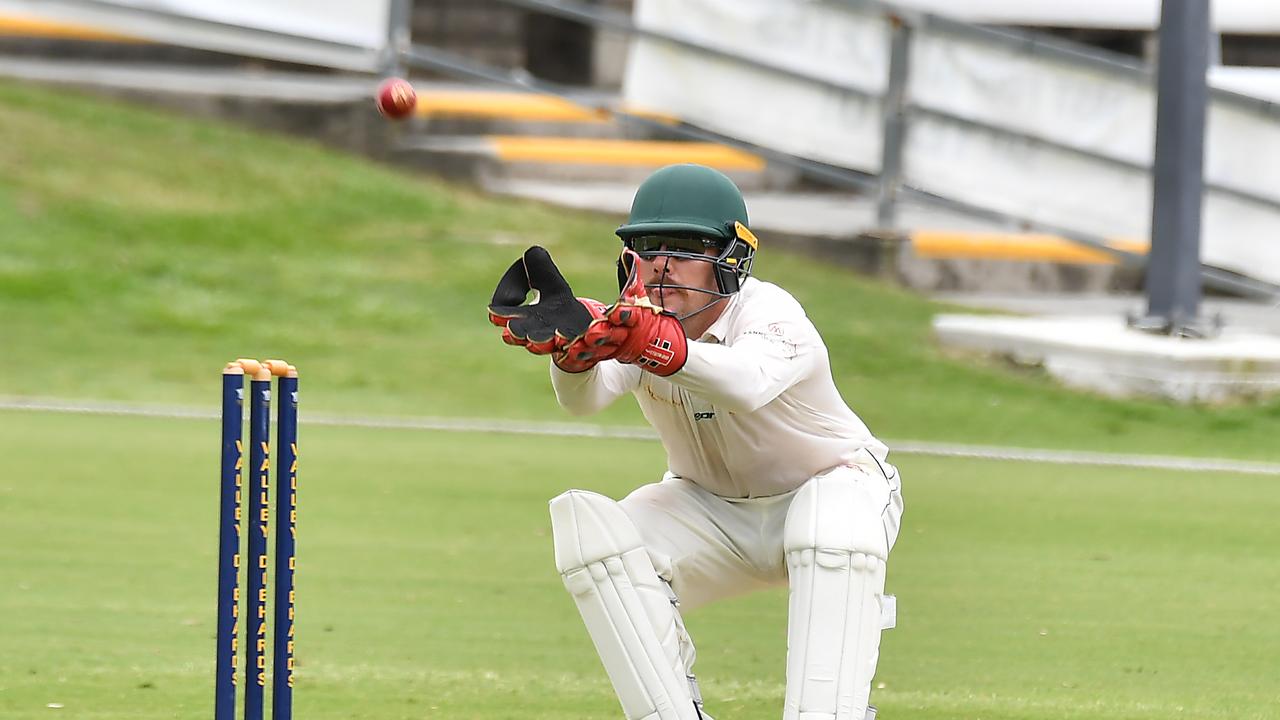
{"x": 757, "y": 105}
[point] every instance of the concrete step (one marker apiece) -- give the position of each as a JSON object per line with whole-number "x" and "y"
{"x": 449, "y": 102}
{"x": 1014, "y": 246}
{"x": 24, "y": 26}
{"x": 165, "y": 79}
{"x": 452, "y": 110}
{"x": 435, "y": 101}
{"x": 486, "y": 159}
{"x": 940, "y": 258}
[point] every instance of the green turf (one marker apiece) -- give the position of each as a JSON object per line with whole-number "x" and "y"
{"x": 138, "y": 251}
{"x": 426, "y": 586}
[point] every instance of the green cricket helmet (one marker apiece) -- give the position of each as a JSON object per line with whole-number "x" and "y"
{"x": 682, "y": 211}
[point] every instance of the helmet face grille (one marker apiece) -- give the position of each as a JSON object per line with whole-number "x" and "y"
{"x": 732, "y": 260}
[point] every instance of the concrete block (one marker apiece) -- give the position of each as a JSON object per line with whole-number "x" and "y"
{"x": 1102, "y": 354}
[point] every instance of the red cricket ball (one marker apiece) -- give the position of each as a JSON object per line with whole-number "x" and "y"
{"x": 396, "y": 98}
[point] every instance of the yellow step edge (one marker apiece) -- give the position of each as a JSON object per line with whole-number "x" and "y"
{"x": 12, "y": 25}
{"x": 504, "y": 105}
{"x": 516, "y": 106}
{"x": 593, "y": 151}
{"x": 654, "y": 115}
{"x": 1015, "y": 246}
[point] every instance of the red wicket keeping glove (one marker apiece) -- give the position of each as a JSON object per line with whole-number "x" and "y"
{"x": 551, "y": 319}
{"x": 634, "y": 330}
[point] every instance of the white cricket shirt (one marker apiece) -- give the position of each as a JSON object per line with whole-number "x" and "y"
{"x": 754, "y": 412}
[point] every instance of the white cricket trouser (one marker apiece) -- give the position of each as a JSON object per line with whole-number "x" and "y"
{"x": 710, "y": 547}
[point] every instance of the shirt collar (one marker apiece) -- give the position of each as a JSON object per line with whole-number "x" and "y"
{"x": 720, "y": 328}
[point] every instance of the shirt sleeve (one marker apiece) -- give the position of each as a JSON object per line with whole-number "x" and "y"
{"x": 589, "y": 392}
{"x": 754, "y": 367}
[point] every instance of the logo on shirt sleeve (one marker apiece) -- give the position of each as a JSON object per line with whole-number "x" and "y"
{"x": 777, "y": 334}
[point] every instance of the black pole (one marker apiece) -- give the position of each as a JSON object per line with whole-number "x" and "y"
{"x": 1173, "y": 270}
{"x": 893, "y": 125}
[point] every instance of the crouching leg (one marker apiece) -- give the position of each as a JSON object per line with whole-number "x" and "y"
{"x": 836, "y": 547}
{"x": 629, "y": 611}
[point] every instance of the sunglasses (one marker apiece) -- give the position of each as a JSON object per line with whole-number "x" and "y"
{"x": 644, "y": 244}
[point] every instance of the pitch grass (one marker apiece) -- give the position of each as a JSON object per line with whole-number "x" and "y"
{"x": 426, "y": 587}
{"x": 138, "y": 251}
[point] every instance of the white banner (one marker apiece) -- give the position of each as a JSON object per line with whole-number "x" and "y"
{"x": 1100, "y": 111}
{"x": 1082, "y": 106}
{"x": 757, "y": 105}
{"x": 336, "y": 33}
{"x": 1026, "y": 180}
{"x": 1229, "y": 16}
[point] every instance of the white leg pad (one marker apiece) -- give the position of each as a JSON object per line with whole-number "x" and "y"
{"x": 626, "y": 607}
{"x": 836, "y": 550}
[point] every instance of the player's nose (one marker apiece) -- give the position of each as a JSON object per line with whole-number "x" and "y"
{"x": 654, "y": 268}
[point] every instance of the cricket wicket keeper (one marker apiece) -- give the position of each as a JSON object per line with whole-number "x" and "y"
{"x": 772, "y": 479}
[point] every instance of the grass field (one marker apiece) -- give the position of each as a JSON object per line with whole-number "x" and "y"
{"x": 138, "y": 252}
{"x": 426, "y": 586}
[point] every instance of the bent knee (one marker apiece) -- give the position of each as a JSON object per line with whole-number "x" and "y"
{"x": 841, "y": 511}
{"x": 587, "y": 527}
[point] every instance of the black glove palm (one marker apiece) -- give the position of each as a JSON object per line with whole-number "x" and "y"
{"x": 552, "y": 311}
